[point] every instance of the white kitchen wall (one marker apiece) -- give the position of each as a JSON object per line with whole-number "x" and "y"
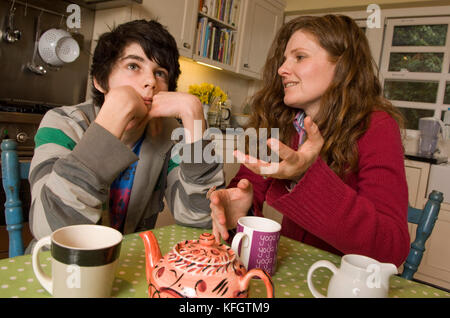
{"x": 236, "y": 87}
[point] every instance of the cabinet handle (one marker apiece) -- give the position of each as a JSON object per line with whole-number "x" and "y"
{"x": 246, "y": 65}
{"x": 187, "y": 45}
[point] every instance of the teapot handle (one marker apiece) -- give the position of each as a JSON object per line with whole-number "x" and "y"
{"x": 315, "y": 266}
{"x": 243, "y": 283}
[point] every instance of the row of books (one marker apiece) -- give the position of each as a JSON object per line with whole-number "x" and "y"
{"x": 215, "y": 42}
{"x": 224, "y": 10}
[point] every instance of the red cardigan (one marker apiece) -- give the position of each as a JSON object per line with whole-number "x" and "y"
{"x": 366, "y": 213}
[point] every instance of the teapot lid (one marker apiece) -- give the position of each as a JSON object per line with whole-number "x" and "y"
{"x": 203, "y": 255}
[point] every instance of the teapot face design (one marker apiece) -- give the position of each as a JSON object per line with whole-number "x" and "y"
{"x": 198, "y": 268}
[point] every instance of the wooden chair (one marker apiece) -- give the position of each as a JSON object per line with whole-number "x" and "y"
{"x": 425, "y": 220}
{"x": 12, "y": 172}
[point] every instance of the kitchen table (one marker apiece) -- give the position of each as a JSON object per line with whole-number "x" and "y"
{"x": 294, "y": 259}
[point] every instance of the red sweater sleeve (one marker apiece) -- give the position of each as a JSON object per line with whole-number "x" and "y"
{"x": 260, "y": 186}
{"x": 368, "y": 217}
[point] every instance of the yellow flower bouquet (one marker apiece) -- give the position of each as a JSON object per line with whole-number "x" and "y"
{"x": 208, "y": 93}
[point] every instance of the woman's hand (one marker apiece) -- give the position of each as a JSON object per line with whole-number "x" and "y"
{"x": 228, "y": 205}
{"x": 293, "y": 164}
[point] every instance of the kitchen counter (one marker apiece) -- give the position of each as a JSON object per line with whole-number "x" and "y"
{"x": 430, "y": 159}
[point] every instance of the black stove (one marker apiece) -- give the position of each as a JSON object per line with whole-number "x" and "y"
{"x": 18, "y": 106}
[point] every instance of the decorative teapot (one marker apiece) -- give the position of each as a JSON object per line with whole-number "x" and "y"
{"x": 198, "y": 268}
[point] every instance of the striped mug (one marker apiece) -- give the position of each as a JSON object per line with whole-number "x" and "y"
{"x": 83, "y": 260}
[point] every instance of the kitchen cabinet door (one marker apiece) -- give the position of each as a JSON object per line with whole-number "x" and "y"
{"x": 417, "y": 178}
{"x": 262, "y": 19}
{"x": 180, "y": 18}
{"x": 435, "y": 265}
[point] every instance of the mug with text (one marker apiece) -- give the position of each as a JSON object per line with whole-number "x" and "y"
{"x": 256, "y": 242}
{"x": 83, "y": 259}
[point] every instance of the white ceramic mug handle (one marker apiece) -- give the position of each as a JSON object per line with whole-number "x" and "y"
{"x": 45, "y": 280}
{"x": 315, "y": 266}
{"x": 236, "y": 240}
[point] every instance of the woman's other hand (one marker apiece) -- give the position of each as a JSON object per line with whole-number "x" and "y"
{"x": 228, "y": 205}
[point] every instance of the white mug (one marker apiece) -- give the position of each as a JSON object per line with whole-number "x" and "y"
{"x": 84, "y": 261}
{"x": 256, "y": 242}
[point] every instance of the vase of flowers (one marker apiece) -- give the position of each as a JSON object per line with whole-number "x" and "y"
{"x": 208, "y": 94}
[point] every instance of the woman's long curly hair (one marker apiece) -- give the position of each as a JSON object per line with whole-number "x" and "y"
{"x": 354, "y": 93}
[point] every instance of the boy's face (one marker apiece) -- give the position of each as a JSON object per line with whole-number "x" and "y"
{"x": 134, "y": 69}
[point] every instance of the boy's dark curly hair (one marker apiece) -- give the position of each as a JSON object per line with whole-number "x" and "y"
{"x": 157, "y": 43}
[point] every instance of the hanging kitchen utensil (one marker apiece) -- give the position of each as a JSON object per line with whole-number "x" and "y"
{"x": 67, "y": 49}
{"x": 56, "y": 47}
{"x": 11, "y": 34}
{"x": 35, "y": 68}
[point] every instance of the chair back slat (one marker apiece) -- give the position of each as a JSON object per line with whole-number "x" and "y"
{"x": 425, "y": 220}
{"x": 24, "y": 170}
{"x": 414, "y": 215}
{"x": 12, "y": 172}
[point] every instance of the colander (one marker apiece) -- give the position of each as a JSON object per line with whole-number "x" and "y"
{"x": 67, "y": 49}
{"x": 56, "y": 47}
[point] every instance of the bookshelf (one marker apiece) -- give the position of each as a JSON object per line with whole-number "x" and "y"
{"x": 216, "y": 34}
{"x": 234, "y": 35}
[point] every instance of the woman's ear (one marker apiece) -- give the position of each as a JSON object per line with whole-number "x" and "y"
{"x": 98, "y": 86}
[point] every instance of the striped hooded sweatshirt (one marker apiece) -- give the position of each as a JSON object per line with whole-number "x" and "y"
{"x": 76, "y": 160}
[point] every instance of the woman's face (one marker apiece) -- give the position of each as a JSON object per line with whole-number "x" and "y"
{"x": 306, "y": 72}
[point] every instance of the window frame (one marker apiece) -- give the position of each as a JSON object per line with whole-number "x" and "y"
{"x": 442, "y": 78}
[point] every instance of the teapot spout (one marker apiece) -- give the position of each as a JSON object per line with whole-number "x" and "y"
{"x": 152, "y": 252}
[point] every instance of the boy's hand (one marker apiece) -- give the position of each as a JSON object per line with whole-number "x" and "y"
{"x": 185, "y": 106}
{"x": 123, "y": 111}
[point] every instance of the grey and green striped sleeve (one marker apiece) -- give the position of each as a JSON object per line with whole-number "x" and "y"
{"x": 67, "y": 186}
{"x": 187, "y": 185}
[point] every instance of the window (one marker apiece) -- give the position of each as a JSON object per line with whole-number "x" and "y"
{"x": 415, "y": 66}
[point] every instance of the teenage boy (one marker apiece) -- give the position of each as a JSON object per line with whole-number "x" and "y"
{"x": 108, "y": 161}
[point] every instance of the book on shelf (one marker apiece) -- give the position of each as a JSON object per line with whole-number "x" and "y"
{"x": 223, "y": 10}
{"x": 201, "y": 34}
{"x": 207, "y": 39}
{"x": 216, "y": 41}
{"x": 212, "y": 44}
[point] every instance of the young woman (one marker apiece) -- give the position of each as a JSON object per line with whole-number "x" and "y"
{"x": 341, "y": 182}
